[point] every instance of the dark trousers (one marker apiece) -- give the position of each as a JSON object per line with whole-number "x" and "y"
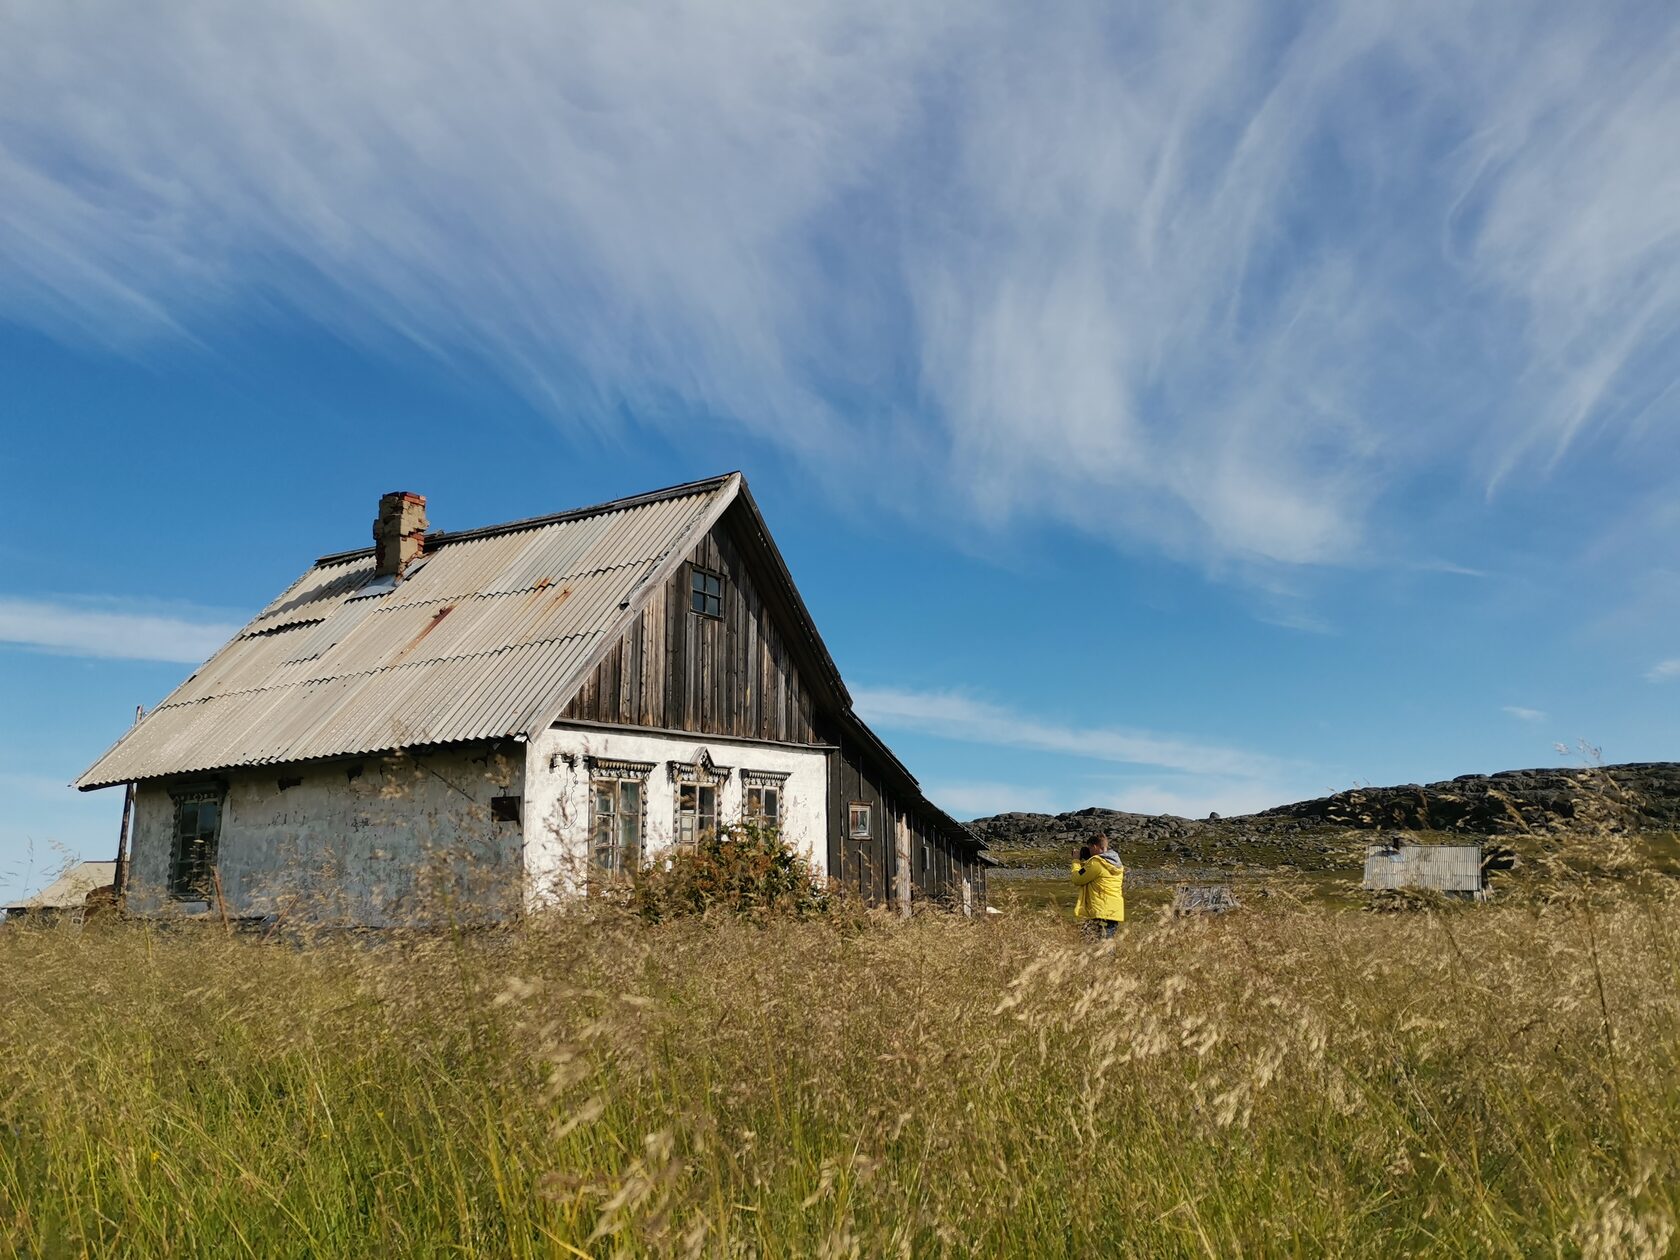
{"x": 1101, "y": 929}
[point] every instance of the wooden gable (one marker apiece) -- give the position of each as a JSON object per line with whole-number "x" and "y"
{"x": 677, "y": 669}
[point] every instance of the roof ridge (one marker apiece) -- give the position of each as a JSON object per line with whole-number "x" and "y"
{"x": 444, "y": 537}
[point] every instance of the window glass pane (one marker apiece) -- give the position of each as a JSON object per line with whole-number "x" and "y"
{"x": 604, "y": 799}
{"x": 630, "y": 795}
{"x": 208, "y": 813}
{"x": 713, "y": 585}
{"x": 699, "y": 602}
{"x": 772, "y": 805}
{"x": 188, "y": 822}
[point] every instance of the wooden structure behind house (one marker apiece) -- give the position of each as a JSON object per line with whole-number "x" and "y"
{"x": 74, "y": 893}
{"x": 518, "y": 713}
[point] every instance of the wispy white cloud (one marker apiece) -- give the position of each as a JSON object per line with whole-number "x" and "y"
{"x": 1220, "y": 280}
{"x": 109, "y": 630}
{"x": 1664, "y": 671}
{"x": 1523, "y": 714}
{"x": 952, "y": 715}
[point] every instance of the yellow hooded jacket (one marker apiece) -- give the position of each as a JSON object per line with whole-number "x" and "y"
{"x": 1101, "y": 890}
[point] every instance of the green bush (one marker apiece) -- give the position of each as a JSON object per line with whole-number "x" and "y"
{"x": 741, "y": 870}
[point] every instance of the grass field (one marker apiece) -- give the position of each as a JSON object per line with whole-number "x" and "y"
{"x": 1292, "y": 1079}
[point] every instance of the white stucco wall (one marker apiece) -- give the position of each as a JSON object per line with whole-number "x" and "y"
{"x": 407, "y": 839}
{"x": 557, "y": 801}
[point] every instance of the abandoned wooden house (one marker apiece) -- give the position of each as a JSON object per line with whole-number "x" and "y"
{"x": 505, "y": 716}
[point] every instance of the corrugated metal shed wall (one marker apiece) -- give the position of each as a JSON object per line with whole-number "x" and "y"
{"x": 1438, "y": 867}
{"x": 472, "y": 645}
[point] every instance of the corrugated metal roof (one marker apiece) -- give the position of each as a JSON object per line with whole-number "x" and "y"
{"x": 480, "y": 641}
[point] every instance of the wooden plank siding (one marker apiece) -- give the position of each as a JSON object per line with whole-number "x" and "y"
{"x": 678, "y": 670}
{"x": 869, "y": 868}
{"x": 737, "y": 675}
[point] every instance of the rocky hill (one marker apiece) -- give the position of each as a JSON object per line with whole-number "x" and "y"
{"x": 1640, "y": 797}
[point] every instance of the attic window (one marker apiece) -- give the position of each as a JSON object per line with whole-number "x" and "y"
{"x": 706, "y": 597}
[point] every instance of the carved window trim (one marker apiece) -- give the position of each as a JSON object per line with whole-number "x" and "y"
{"x": 700, "y": 768}
{"x": 764, "y": 796}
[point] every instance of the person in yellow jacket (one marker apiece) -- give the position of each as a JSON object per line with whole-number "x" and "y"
{"x": 1101, "y": 880}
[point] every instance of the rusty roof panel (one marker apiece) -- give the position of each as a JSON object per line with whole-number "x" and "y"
{"x": 476, "y": 643}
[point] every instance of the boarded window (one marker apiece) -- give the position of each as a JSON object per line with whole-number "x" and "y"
{"x": 617, "y": 809}
{"x": 858, "y": 825}
{"x": 192, "y": 855}
{"x": 697, "y": 812}
{"x": 706, "y": 597}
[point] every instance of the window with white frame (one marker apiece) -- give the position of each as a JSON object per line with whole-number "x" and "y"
{"x": 762, "y": 797}
{"x": 697, "y": 813}
{"x": 698, "y": 785}
{"x": 618, "y": 816}
{"x": 859, "y": 823}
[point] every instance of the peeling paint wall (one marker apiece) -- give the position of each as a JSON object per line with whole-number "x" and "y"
{"x": 557, "y": 813}
{"x": 385, "y": 840}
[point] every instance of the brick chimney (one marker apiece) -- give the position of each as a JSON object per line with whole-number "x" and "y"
{"x": 399, "y": 535}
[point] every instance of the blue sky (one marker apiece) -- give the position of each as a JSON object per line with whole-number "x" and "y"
{"x": 1169, "y": 407}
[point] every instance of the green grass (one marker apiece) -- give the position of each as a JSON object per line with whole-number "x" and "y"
{"x": 1291, "y": 1080}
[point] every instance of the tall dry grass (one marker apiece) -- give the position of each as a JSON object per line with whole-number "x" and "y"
{"x": 1499, "y": 1081}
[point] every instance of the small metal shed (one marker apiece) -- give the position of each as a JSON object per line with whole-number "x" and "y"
{"x": 1455, "y": 869}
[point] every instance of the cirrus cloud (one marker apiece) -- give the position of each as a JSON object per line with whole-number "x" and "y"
{"x": 1254, "y": 286}
{"x": 109, "y": 629}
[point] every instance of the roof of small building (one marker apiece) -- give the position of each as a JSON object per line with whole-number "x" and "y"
{"x": 487, "y": 636}
{"x": 69, "y": 889}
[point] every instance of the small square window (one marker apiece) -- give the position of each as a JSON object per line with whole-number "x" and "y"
{"x": 762, "y": 803}
{"x": 706, "y": 593}
{"x": 858, "y": 827}
{"x": 504, "y": 808}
